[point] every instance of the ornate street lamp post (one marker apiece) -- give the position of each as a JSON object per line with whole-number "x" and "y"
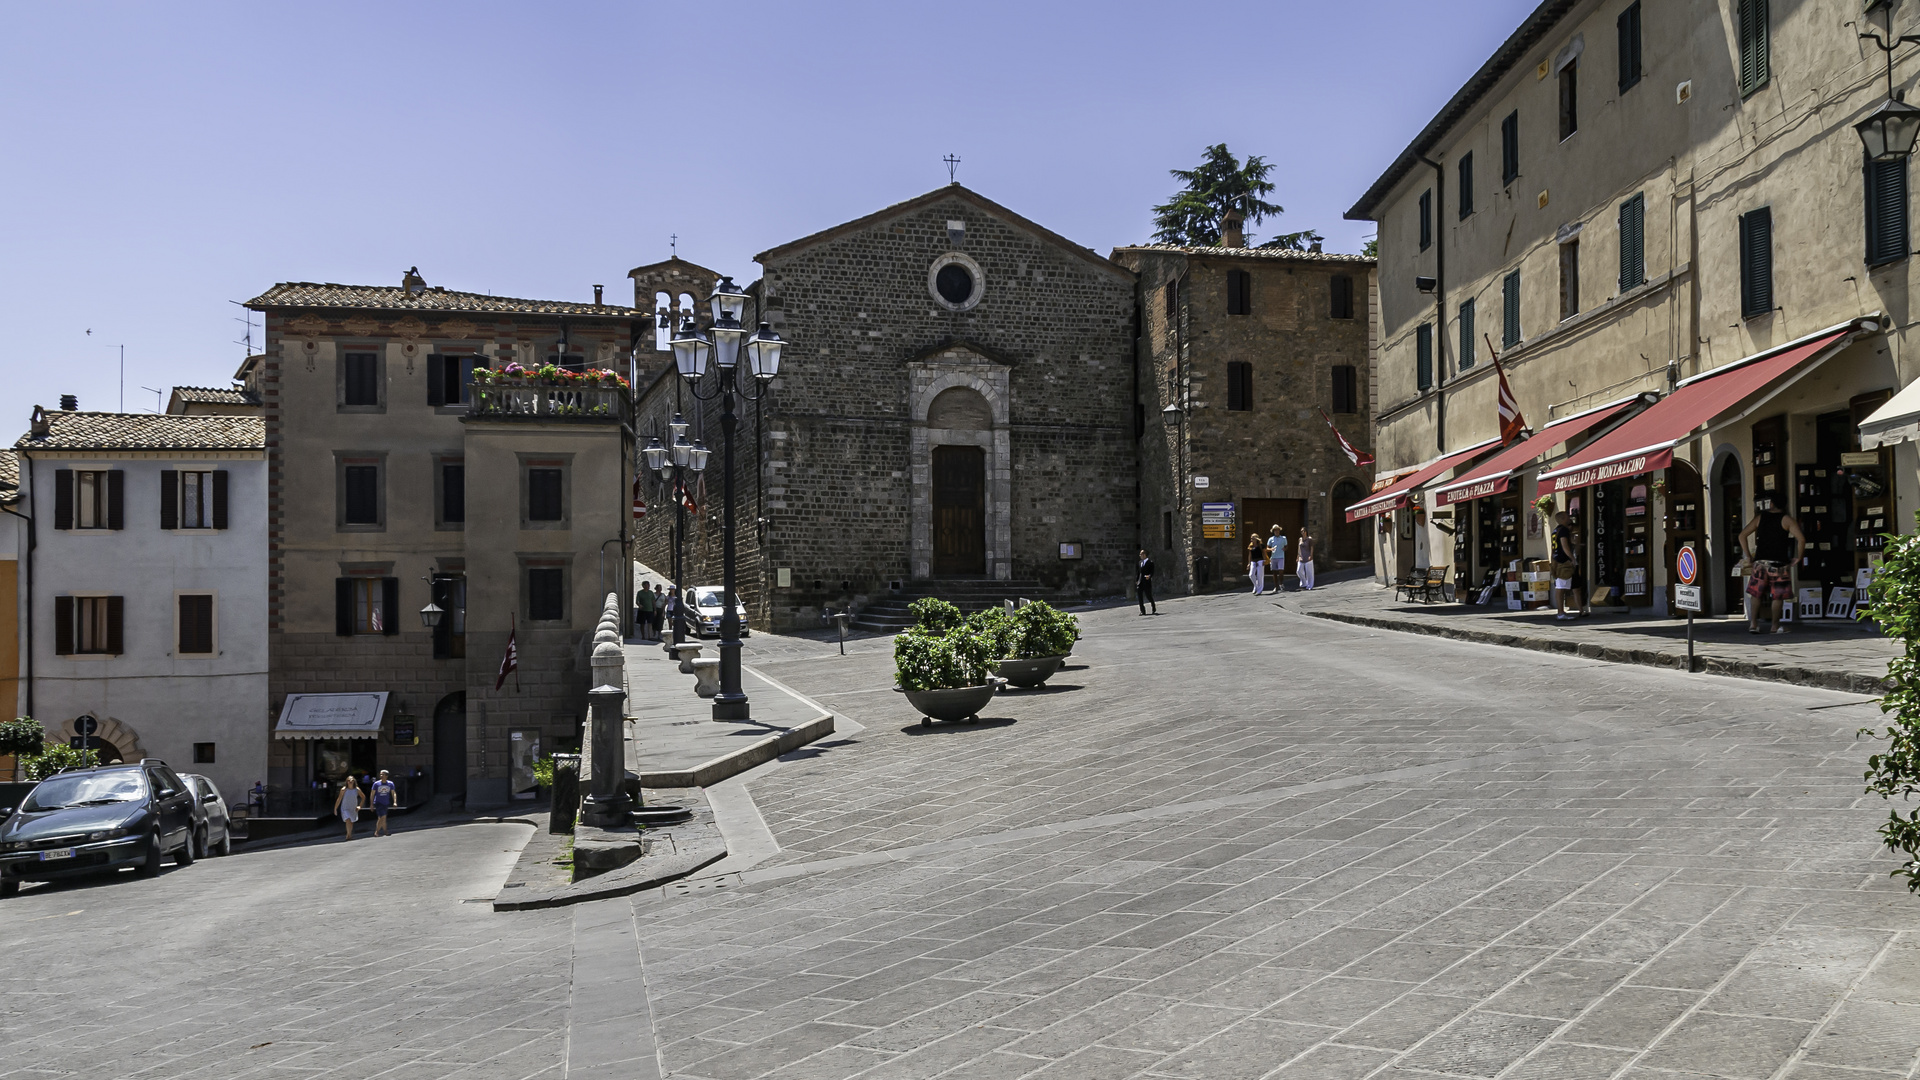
{"x": 672, "y": 464}
{"x": 691, "y": 350}
{"x": 1888, "y": 133}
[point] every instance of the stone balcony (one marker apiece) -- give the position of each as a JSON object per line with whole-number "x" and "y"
{"x": 549, "y": 404}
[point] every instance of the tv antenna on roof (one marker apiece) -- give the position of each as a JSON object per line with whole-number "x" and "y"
{"x": 248, "y": 340}
{"x": 953, "y": 166}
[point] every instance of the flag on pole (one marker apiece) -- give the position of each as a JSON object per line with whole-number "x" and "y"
{"x": 685, "y": 496}
{"x": 1512, "y": 424}
{"x": 1354, "y": 453}
{"x": 509, "y": 664}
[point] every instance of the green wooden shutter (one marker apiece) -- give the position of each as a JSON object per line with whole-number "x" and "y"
{"x": 1423, "y": 356}
{"x": 1510, "y": 310}
{"x": 1466, "y": 186}
{"x": 1629, "y": 36}
{"x": 63, "y": 498}
{"x": 1756, "y": 262}
{"x": 1755, "y": 46}
{"x": 1633, "y": 247}
{"x": 169, "y": 499}
{"x": 220, "y": 499}
{"x": 436, "y": 380}
{"x": 343, "y": 606}
{"x": 1426, "y": 219}
{"x": 1510, "y": 148}
{"x": 1886, "y": 199}
{"x": 1466, "y": 334}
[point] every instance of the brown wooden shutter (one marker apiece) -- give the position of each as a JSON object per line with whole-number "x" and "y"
{"x": 220, "y": 499}
{"x": 436, "y": 380}
{"x": 63, "y": 625}
{"x": 63, "y": 498}
{"x": 390, "y": 606}
{"x": 169, "y": 499}
{"x": 116, "y": 613}
{"x": 117, "y": 499}
{"x": 343, "y": 606}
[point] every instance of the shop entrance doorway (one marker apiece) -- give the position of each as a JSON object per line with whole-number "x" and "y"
{"x": 450, "y": 745}
{"x": 959, "y": 511}
{"x": 1729, "y": 495}
{"x": 1685, "y": 524}
{"x": 1348, "y": 542}
{"x": 1261, "y": 515}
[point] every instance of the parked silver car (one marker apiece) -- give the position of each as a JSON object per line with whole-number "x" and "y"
{"x": 708, "y": 605}
{"x": 215, "y": 831}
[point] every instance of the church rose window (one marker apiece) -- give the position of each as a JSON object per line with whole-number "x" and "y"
{"x": 955, "y": 283}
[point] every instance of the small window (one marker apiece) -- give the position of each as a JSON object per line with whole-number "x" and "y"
{"x": 1341, "y": 286}
{"x": 544, "y": 501}
{"x": 196, "y": 623}
{"x": 1239, "y": 288}
{"x": 546, "y": 594}
{"x": 450, "y": 379}
{"x": 89, "y": 499}
{"x": 1423, "y": 356}
{"x": 1426, "y": 219}
{"x": 1510, "y": 148}
{"x": 1468, "y": 348}
{"x": 1239, "y": 386}
{"x": 1569, "y": 99}
{"x": 193, "y": 500}
{"x": 1510, "y": 310}
{"x": 203, "y": 753}
{"x": 1628, "y": 26}
{"x": 1466, "y": 186}
{"x": 1346, "y": 385}
{"x": 450, "y": 637}
{"x": 1173, "y": 303}
{"x": 362, "y": 495}
{"x": 88, "y": 625}
{"x": 366, "y": 605}
{"x": 1756, "y": 262}
{"x": 360, "y": 379}
{"x": 453, "y": 493}
{"x": 1633, "y": 243}
{"x": 1755, "y": 45}
{"x": 1886, "y": 211}
{"x": 1569, "y": 279}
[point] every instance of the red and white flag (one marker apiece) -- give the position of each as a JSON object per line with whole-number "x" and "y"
{"x": 1354, "y": 453}
{"x": 1512, "y": 424}
{"x": 510, "y": 663}
{"x": 686, "y": 498}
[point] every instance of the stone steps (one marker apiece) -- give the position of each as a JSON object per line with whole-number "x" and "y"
{"x": 893, "y": 614}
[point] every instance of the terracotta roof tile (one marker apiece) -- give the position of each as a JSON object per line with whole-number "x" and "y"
{"x": 307, "y": 294}
{"x": 9, "y": 476}
{"x": 146, "y": 431}
{"x": 213, "y": 395}
{"x": 1254, "y": 253}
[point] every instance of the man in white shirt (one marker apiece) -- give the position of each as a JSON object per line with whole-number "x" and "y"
{"x": 1277, "y": 558}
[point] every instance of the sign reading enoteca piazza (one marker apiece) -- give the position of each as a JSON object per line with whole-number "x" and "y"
{"x": 331, "y": 716}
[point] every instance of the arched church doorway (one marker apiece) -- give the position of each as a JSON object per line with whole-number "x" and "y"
{"x": 959, "y": 511}
{"x": 450, "y": 745}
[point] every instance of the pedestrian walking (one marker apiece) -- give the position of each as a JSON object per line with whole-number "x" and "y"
{"x": 643, "y": 612}
{"x": 1774, "y": 542}
{"x": 1257, "y": 563}
{"x": 1277, "y": 558}
{"x": 383, "y": 792}
{"x": 671, "y": 609}
{"x": 1143, "y": 583}
{"x": 1303, "y": 560}
{"x": 348, "y": 803}
{"x": 1568, "y": 578}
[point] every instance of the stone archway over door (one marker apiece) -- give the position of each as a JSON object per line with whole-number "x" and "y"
{"x": 450, "y": 745}
{"x": 959, "y": 511}
{"x": 958, "y": 399}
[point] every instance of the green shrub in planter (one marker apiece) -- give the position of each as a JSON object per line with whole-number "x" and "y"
{"x": 59, "y": 756}
{"x": 1043, "y": 630}
{"x": 1894, "y": 603}
{"x": 924, "y": 661}
{"x": 999, "y": 633}
{"x": 935, "y": 616}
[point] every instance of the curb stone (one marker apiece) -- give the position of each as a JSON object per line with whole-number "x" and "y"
{"x": 688, "y": 847}
{"x": 1845, "y": 681}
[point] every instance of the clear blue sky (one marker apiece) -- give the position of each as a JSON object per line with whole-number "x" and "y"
{"x": 163, "y": 159}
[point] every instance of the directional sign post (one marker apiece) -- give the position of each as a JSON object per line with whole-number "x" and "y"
{"x": 1686, "y": 595}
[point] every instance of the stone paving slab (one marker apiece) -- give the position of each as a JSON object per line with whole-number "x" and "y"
{"x": 668, "y": 853}
{"x": 674, "y": 740}
{"x": 1836, "y": 655}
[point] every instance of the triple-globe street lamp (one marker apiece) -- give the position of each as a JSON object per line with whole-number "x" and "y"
{"x": 722, "y": 343}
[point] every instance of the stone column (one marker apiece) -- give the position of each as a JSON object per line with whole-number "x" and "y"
{"x": 606, "y": 803}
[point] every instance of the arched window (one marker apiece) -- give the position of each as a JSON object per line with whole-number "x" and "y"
{"x": 662, "y": 322}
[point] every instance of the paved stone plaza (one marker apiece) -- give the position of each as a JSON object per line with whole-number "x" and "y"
{"x": 1230, "y": 841}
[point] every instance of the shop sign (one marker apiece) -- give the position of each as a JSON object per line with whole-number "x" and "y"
{"x": 1202, "y": 481}
{"x": 1493, "y": 485}
{"x": 1687, "y": 598}
{"x": 1854, "y": 459}
{"x": 1216, "y": 521}
{"x": 1613, "y": 470}
{"x": 403, "y": 732}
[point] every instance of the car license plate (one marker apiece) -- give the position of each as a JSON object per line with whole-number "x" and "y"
{"x": 56, "y": 853}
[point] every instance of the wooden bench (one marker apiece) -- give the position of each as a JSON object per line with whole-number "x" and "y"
{"x": 1410, "y": 586}
{"x": 1435, "y": 588}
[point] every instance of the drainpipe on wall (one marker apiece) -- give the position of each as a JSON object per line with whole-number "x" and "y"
{"x": 32, "y": 542}
{"x": 1439, "y": 305}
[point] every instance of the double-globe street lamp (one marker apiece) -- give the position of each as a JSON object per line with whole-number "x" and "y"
{"x": 672, "y": 463}
{"x": 691, "y": 351}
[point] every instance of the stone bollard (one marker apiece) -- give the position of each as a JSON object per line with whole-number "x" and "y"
{"x": 688, "y": 651}
{"x": 706, "y": 675}
{"x": 606, "y": 804}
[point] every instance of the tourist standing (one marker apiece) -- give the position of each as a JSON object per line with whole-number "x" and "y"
{"x": 348, "y": 803}
{"x": 1277, "y": 558}
{"x": 383, "y": 791}
{"x": 1774, "y": 542}
{"x": 1143, "y": 583}
{"x": 659, "y": 611}
{"x": 1257, "y": 563}
{"x": 643, "y": 612}
{"x": 1568, "y": 579}
{"x": 1303, "y": 560}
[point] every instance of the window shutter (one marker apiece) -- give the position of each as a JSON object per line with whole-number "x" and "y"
{"x": 1466, "y": 186}
{"x": 1633, "y": 255}
{"x": 1629, "y": 39}
{"x": 220, "y": 499}
{"x": 1756, "y": 262}
{"x": 1467, "y": 338}
{"x": 390, "y": 605}
{"x": 1755, "y": 45}
{"x": 1426, "y": 219}
{"x": 1886, "y": 200}
{"x": 343, "y": 606}
{"x": 63, "y": 625}
{"x": 1510, "y": 147}
{"x": 169, "y": 499}
{"x": 1342, "y": 296}
{"x": 1510, "y": 310}
{"x": 436, "y": 380}
{"x": 116, "y": 614}
{"x": 63, "y": 498}
{"x": 116, "y": 499}
{"x": 1423, "y": 356}
{"x": 453, "y": 494}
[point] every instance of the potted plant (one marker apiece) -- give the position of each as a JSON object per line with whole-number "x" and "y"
{"x": 943, "y": 664}
{"x": 1034, "y": 643}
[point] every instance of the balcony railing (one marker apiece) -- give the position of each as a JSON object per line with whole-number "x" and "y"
{"x": 602, "y": 404}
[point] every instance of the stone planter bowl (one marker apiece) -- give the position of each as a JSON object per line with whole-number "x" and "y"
{"x": 959, "y": 703}
{"x": 1030, "y": 672}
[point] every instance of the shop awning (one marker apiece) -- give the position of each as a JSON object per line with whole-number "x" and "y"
{"x": 1896, "y": 421}
{"x": 1395, "y": 495}
{"x": 1491, "y": 476}
{"x": 331, "y": 716}
{"x": 1645, "y": 442}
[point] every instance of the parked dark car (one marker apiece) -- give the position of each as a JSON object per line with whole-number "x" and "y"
{"x": 216, "y": 826}
{"x": 85, "y": 821}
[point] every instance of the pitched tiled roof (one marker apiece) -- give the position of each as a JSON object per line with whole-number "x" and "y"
{"x": 212, "y": 395}
{"x": 307, "y": 294}
{"x": 146, "y": 431}
{"x": 1254, "y": 253}
{"x": 9, "y": 476}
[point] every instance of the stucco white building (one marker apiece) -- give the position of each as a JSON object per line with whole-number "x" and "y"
{"x": 146, "y": 587}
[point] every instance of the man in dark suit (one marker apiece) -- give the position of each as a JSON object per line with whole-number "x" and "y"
{"x": 1143, "y": 584}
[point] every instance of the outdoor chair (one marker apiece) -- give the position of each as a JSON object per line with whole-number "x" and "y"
{"x": 1410, "y": 586}
{"x": 1436, "y": 585}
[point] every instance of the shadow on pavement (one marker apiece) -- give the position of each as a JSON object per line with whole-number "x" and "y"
{"x": 946, "y": 727}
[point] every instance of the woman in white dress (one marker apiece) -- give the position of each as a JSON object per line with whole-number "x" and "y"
{"x": 348, "y": 803}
